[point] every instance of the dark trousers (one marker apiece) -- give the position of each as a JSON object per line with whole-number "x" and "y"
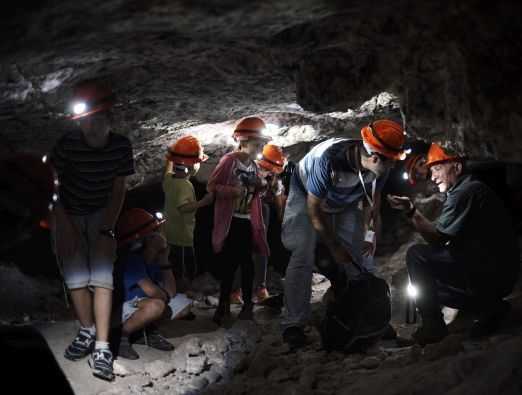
{"x": 183, "y": 263}
{"x": 237, "y": 252}
{"x": 444, "y": 280}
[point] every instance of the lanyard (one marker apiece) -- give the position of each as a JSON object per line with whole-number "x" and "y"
{"x": 374, "y": 187}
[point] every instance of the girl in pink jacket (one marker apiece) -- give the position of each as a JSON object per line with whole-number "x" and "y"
{"x": 238, "y": 221}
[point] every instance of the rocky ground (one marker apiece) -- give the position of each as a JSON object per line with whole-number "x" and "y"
{"x": 250, "y": 358}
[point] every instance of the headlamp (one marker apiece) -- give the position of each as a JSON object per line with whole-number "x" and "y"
{"x": 79, "y": 108}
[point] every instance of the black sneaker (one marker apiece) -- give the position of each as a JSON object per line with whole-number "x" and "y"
{"x": 81, "y": 346}
{"x": 295, "y": 337}
{"x": 155, "y": 340}
{"x": 101, "y": 364}
{"x": 126, "y": 351}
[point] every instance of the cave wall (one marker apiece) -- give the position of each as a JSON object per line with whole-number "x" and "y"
{"x": 448, "y": 70}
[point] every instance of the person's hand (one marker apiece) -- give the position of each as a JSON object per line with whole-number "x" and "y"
{"x": 67, "y": 238}
{"x": 402, "y": 203}
{"x": 341, "y": 255}
{"x": 368, "y": 249}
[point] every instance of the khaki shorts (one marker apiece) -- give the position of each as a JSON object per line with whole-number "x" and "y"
{"x": 86, "y": 268}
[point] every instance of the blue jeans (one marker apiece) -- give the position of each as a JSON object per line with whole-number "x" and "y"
{"x": 300, "y": 238}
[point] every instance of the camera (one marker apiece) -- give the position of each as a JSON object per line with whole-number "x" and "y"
{"x": 248, "y": 179}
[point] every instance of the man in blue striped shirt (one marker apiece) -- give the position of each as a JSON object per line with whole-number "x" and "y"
{"x": 92, "y": 163}
{"x": 335, "y": 197}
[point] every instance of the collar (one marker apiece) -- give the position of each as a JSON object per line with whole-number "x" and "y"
{"x": 461, "y": 180}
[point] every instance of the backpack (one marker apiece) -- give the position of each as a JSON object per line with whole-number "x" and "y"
{"x": 359, "y": 312}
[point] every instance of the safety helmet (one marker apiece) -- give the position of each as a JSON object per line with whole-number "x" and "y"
{"x": 249, "y": 128}
{"x": 137, "y": 223}
{"x": 386, "y": 138}
{"x": 186, "y": 151}
{"x": 272, "y": 159}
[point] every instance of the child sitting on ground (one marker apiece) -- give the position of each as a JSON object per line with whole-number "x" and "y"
{"x": 149, "y": 285}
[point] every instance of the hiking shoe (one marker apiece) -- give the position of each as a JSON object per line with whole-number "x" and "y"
{"x": 236, "y": 297}
{"x": 101, "y": 364}
{"x": 81, "y": 346}
{"x": 126, "y": 351}
{"x": 155, "y": 340}
{"x": 294, "y": 336}
{"x": 261, "y": 295}
{"x": 247, "y": 312}
{"x": 490, "y": 321}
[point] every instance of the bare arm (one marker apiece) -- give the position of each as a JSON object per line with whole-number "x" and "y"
{"x": 152, "y": 290}
{"x": 325, "y": 231}
{"x": 192, "y": 206}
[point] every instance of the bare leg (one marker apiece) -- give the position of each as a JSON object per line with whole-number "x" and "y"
{"x": 82, "y": 302}
{"x": 102, "y": 312}
{"x": 149, "y": 310}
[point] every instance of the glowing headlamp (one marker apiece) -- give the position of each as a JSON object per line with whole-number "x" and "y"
{"x": 158, "y": 215}
{"x": 79, "y": 108}
{"x": 405, "y": 176}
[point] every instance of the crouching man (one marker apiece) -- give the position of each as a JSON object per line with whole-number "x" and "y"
{"x": 471, "y": 261}
{"x": 148, "y": 282}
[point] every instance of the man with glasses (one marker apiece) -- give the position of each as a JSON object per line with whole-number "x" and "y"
{"x": 335, "y": 196}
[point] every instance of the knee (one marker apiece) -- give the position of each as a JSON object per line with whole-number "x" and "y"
{"x": 155, "y": 307}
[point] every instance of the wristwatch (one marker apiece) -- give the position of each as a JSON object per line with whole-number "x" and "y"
{"x": 108, "y": 233}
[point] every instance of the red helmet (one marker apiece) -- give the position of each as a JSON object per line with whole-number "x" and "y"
{"x": 437, "y": 155}
{"x": 90, "y": 97}
{"x": 186, "y": 151}
{"x": 272, "y": 159}
{"x": 250, "y": 127}
{"x": 385, "y": 137}
{"x": 136, "y": 223}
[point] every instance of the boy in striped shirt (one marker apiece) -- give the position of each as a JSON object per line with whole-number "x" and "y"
{"x": 92, "y": 163}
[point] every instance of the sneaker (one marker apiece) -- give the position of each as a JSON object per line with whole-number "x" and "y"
{"x": 247, "y": 312}
{"x": 101, "y": 364}
{"x": 81, "y": 346}
{"x": 295, "y": 337}
{"x": 126, "y": 351}
{"x": 261, "y": 295}
{"x": 236, "y": 297}
{"x": 155, "y": 340}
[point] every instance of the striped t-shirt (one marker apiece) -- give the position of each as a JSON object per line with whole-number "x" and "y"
{"x": 87, "y": 174}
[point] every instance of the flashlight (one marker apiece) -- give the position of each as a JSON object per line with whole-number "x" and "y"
{"x": 412, "y": 292}
{"x": 405, "y": 176}
{"x": 79, "y": 108}
{"x": 44, "y": 159}
{"x": 159, "y": 216}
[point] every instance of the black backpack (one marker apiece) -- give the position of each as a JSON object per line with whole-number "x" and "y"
{"x": 359, "y": 312}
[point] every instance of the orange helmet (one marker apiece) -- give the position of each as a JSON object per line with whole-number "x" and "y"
{"x": 272, "y": 159}
{"x": 90, "y": 97}
{"x": 250, "y": 127}
{"x": 385, "y": 137}
{"x": 409, "y": 165}
{"x": 186, "y": 151}
{"x": 136, "y": 223}
{"x": 437, "y": 155}
{"x": 30, "y": 188}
